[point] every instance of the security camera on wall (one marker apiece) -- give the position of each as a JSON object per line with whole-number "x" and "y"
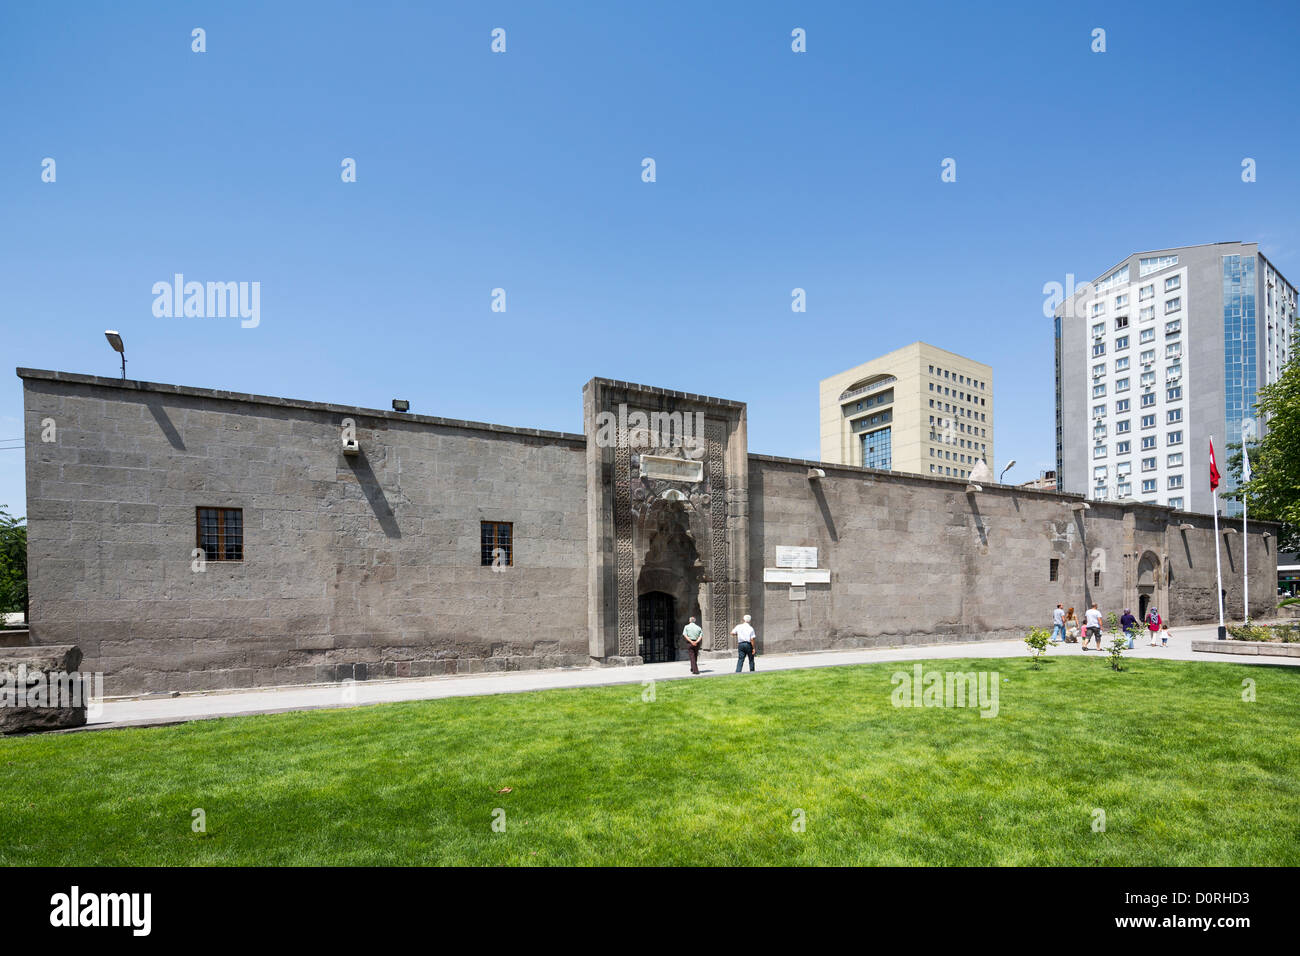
{"x": 349, "y": 436}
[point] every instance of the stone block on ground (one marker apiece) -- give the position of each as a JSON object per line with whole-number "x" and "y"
{"x": 53, "y": 669}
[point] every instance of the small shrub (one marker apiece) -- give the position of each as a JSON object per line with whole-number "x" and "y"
{"x": 1249, "y": 632}
{"x": 1276, "y": 633}
{"x": 1118, "y": 642}
{"x": 1038, "y": 639}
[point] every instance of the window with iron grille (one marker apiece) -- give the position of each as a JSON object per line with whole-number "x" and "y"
{"x": 497, "y": 536}
{"x": 220, "y": 533}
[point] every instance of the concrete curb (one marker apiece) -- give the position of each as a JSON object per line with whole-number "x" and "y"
{"x": 1257, "y": 648}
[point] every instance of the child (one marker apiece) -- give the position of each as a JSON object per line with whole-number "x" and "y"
{"x": 1153, "y": 624}
{"x": 1164, "y": 635}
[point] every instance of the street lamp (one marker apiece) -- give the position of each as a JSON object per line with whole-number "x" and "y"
{"x": 1011, "y": 464}
{"x": 115, "y": 340}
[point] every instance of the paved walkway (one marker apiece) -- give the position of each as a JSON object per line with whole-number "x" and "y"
{"x": 138, "y": 712}
{"x": 276, "y": 700}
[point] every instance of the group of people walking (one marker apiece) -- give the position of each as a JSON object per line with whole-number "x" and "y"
{"x": 1066, "y": 629}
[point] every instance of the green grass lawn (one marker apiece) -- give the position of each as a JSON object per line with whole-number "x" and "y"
{"x": 710, "y": 772}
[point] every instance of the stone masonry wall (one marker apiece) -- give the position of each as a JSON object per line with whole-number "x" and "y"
{"x": 359, "y": 567}
{"x": 915, "y": 559}
{"x": 369, "y": 566}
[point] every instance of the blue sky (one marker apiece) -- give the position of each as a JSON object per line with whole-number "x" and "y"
{"x": 522, "y": 171}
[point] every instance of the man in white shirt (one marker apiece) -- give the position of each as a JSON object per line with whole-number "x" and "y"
{"x": 694, "y": 635}
{"x": 745, "y": 637}
{"x": 1092, "y": 621}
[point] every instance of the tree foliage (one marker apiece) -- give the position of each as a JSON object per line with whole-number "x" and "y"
{"x": 1273, "y": 493}
{"x": 13, "y": 563}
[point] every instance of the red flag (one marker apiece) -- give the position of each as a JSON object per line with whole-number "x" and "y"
{"x": 1214, "y": 471}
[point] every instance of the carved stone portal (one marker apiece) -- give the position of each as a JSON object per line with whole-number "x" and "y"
{"x": 667, "y": 513}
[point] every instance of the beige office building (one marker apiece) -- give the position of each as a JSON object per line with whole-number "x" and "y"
{"x": 919, "y": 409}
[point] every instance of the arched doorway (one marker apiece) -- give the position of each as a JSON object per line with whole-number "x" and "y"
{"x": 668, "y": 581}
{"x": 1146, "y": 583}
{"x": 657, "y": 627}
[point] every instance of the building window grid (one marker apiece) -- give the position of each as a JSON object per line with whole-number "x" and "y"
{"x": 1239, "y": 346}
{"x": 495, "y": 535}
{"x": 877, "y": 449}
{"x": 220, "y": 533}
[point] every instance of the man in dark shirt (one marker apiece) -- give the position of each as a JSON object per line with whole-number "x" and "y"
{"x": 1128, "y": 623}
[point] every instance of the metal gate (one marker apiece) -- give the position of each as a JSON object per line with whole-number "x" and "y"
{"x": 656, "y": 623}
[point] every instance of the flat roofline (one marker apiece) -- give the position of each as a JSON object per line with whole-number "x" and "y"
{"x": 1274, "y": 267}
{"x": 904, "y": 348}
{"x": 189, "y": 391}
{"x": 664, "y": 392}
{"x": 1150, "y": 252}
{"x": 1065, "y": 497}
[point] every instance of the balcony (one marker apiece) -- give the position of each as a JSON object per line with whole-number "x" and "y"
{"x": 873, "y": 386}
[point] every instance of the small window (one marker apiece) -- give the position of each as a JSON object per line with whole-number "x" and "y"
{"x": 220, "y": 533}
{"x": 1053, "y": 569}
{"x": 496, "y": 535}
{"x": 1096, "y": 579}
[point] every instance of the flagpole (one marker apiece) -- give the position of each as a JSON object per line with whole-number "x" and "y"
{"x": 1245, "y": 561}
{"x": 1218, "y": 567}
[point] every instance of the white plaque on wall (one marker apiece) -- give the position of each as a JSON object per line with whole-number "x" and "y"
{"x": 798, "y": 592}
{"x": 671, "y": 469}
{"x": 788, "y": 557}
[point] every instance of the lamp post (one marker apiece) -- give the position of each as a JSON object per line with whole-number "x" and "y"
{"x": 115, "y": 340}
{"x": 1011, "y": 464}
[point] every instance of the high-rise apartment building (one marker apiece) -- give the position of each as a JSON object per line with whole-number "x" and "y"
{"x": 1162, "y": 352}
{"x": 919, "y": 409}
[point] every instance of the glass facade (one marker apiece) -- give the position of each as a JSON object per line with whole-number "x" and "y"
{"x": 1239, "y": 351}
{"x": 877, "y": 449}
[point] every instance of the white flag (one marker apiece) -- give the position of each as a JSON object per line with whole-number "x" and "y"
{"x": 1245, "y": 463}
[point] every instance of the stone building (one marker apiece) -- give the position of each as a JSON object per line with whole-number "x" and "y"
{"x": 189, "y": 538}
